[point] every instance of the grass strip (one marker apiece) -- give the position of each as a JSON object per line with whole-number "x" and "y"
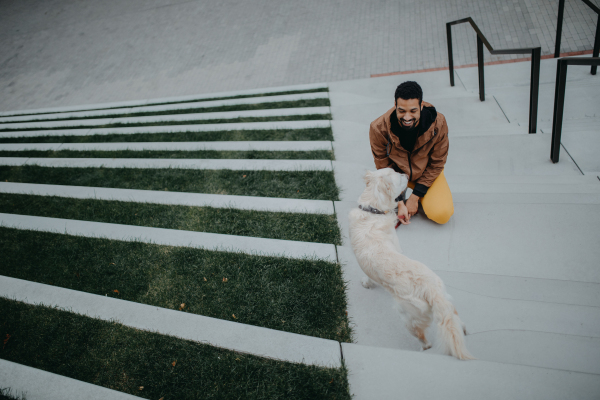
{"x": 243, "y": 96}
{"x": 315, "y": 185}
{"x": 196, "y": 154}
{"x": 300, "y": 296}
{"x": 153, "y": 366}
{"x": 315, "y": 228}
{"x": 234, "y": 135}
{"x": 7, "y": 394}
{"x": 236, "y": 107}
{"x": 310, "y": 117}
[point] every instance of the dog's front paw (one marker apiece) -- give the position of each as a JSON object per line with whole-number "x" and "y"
{"x": 367, "y": 282}
{"x": 426, "y": 346}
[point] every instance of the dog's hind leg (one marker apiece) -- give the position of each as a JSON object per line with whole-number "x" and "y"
{"x": 367, "y": 282}
{"x": 417, "y": 321}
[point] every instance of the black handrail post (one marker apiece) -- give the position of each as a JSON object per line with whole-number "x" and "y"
{"x": 480, "y": 68}
{"x": 559, "y": 22}
{"x": 559, "y": 103}
{"x": 596, "y": 45}
{"x": 534, "y": 88}
{"x": 450, "y": 57}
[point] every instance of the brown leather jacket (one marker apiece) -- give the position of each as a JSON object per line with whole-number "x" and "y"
{"x": 428, "y": 157}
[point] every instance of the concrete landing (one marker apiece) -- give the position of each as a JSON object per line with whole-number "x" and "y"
{"x": 519, "y": 256}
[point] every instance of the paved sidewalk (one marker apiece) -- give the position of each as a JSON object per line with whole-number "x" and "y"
{"x": 56, "y": 53}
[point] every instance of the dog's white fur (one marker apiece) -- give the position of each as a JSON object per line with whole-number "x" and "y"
{"x": 419, "y": 292}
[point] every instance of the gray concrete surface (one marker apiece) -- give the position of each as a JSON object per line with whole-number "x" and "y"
{"x": 391, "y": 374}
{"x": 172, "y": 237}
{"x": 296, "y": 145}
{"x": 92, "y": 110}
{"x": 519, "y": 256}
{"x": 36, "y": 384}
{"x": 58, "y": 53}
{"x": 167, "y": 119}
{"x": 173, "y": 128}
{"x": 230, "y": 335}
{"x": 173, "y": 198}
{"x": 180, "y": 163}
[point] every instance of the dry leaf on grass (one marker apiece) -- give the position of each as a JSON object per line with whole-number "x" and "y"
{"x": 141, "y": 388}
{"x": 224, "y": 279}
{"x": 174, "y": 363}
{"x": 233, "y": 315}
{"x": 6, "y": 340}
{"x": 116, "y": 291}
{"x": 181, "y": 306}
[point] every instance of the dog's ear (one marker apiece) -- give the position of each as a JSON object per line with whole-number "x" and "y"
{"x": 383, "y": 189}
{"x": 368, "y": 178}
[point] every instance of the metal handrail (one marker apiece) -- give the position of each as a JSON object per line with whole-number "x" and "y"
{"x": 559, "y": 22}
{"x": 536, "y": 54}
{"x": 559, "y": 97}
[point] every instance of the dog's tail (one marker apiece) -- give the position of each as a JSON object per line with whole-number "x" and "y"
{"x": 451, "y": 334}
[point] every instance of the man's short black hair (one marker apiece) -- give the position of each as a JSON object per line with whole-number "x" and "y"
{"x": 408, "y": 90}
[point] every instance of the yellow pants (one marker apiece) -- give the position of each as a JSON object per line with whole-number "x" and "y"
{"x": 437, "y": 202}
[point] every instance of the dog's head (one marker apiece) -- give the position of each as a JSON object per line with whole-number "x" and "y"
{"x": 383, "y": 186}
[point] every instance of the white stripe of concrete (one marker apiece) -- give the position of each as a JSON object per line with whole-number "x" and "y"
{"x": 230, "y": 335}
{"x": 166, "y": 99}
{"x": 146, "y": 163}
{"x": 36, "y": 384}
{"x": 174, "y": 128}
{"x": 173, "y": 198}
{"x": 175, "y": 146}
{"x": 170, "y": 107}
{"x": 277, "y": 112}
{"x": 57, "y": 124}
{"x": 172, "y": 237}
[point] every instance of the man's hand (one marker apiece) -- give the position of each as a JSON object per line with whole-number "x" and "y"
{"x": 403, "y": 215}
{"x": 412, "y": 204}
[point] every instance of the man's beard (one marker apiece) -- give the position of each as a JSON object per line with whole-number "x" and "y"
{"x": 408, "y": 128}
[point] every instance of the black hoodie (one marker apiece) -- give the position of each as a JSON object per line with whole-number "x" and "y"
{"x": 408, "y": 137}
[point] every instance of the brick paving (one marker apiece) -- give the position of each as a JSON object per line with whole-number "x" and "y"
{"x": 55, "y": 53}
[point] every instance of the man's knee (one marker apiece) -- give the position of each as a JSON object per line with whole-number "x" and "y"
{"x": 440, "y": 214}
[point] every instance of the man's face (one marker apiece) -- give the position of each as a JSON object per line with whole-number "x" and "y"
{"x": 408, "y": 112}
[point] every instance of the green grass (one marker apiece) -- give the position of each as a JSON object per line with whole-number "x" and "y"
{"x": 310, "y": 117}
{"x": 316, "y": 185}
{"x": 196, "y": 154}
{"x": 316, "y": 228}
{"x": 7, "y": 394}
{"x": 236, "y": 135}
{"x": 151, "y": 365}
{"x": 196, "y": 100}
{"x": 300, "y": 296}
{"x": 237, "y": 107}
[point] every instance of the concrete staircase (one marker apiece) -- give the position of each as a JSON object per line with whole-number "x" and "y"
{"x": 519, "y": 256}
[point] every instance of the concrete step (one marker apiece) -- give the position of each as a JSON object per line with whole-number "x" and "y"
{"x": 167, "y": 119}
{"x": 179, "y": 163}
{"x": 168, "y": 107}
{"x": 173, "y": 198}
{"x": 174, "y": 146}
{"x": 388, "y": 374}
{"x": 177, "y": 99}
{"x": 35, "y": 384}
{"x": 172, "y": 237}
{"x": 172, "y": 129}
{"x": 263, "y": 342}
{"x": 574, "y": 125}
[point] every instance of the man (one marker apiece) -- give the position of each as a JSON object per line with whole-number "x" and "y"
{"x": 412, "y": 138}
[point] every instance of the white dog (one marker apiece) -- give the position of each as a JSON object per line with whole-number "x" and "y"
{"x": 418, "y": 290}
